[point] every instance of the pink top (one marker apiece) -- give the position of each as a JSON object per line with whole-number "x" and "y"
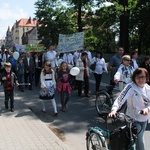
{"x": 64, "y": 87}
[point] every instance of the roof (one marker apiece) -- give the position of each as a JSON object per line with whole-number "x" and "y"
{"x": 24, "y": 22}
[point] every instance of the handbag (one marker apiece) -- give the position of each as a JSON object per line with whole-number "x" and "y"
{"x": 93, "y": 66}
{"x": 120, "y": 138}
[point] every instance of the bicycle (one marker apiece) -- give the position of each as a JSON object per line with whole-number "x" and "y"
{"x": 104, "y": 100}
{"x": 99, "y": 139}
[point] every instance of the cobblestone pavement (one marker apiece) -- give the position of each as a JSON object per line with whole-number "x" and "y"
{"x": 23, "y": 130}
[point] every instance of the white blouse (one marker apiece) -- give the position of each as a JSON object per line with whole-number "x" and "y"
{"x": 100, "y": 65}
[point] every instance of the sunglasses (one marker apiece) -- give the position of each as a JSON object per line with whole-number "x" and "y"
{"x": 127, "y": 60}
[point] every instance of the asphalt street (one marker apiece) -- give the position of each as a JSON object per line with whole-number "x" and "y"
{"x": 70, "y": 126}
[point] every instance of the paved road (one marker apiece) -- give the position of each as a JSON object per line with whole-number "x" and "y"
{"x": 72, "y": 125}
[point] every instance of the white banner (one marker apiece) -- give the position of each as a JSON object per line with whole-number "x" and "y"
{"x": 19, "y": 47}
{"x": 70, "y": 42}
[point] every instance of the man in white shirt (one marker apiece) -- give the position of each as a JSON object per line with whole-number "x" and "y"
{"x": 87, "y": 50}
{"x": 68, "y": 58}
{"x": 77, "y": 55}
{"x": 51, "y": 55}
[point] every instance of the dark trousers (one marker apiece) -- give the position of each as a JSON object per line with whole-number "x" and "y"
{"x": 97, "y": 80}
{"x": 86, "y": 86}
{"x": 112, "y": 86}
{"x": 112, "y": 83}
{"x": 28, "y": 78}
{"x": 64, "y": 98}
{"x": 37, "y": 76}
{"x": 20, "y": 80}
{"x": 9, "y": 94}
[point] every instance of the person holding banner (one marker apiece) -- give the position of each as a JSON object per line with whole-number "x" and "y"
{"x": 68, "y": 58}
{"x": 83, "y": 64}
{"x": 51, "y": 56}
{"x": 77, "y": 55}
{"x": 87, "y": 50}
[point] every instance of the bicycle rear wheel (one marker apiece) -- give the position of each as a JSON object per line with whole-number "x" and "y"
{"x": 103, "y": 103}
{"x": 95, "y": 142}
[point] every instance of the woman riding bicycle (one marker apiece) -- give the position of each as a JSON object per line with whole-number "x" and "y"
{"x": 137, "y": 95}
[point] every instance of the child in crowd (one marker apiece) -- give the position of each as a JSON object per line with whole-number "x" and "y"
{"x": 8, "y": 79}
{"x": 20, "y": 73}
{"x": 64, "y": 87}
{"x": 124, "y": 72}
{"x": 48, "y": 85}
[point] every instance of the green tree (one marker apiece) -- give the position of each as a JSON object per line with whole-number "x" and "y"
{"x": 128, "y": 19}
{"x": 140, "y": 27}
{"x": 81, "y": 7}
{"x": 53, "y": 19}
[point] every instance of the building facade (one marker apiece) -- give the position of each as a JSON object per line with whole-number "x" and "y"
{"x": 8, "y": 39}
{"x": 20, "y": 27}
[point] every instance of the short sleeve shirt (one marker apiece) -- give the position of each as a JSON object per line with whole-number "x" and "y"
{"x": 115, "y": 61}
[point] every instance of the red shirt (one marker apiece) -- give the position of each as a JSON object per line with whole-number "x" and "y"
{"x": 9, "y": 86}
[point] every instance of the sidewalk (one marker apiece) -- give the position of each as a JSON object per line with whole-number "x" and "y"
{"x": 22, "y": 130}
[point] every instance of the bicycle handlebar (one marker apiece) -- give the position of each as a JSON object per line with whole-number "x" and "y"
{"x": 122, "y": 116}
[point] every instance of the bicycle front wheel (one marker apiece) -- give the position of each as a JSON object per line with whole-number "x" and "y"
{"x": 102, "y": 102}
{"x": 95, "y": 142}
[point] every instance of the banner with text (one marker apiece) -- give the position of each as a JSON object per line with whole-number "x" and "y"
{"x": 34, "y": 47}
{"x": 70, "y": 42}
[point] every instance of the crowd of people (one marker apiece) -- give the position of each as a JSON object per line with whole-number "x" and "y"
{"x": 133, "y": 79}
{"x": 52, "y": 72}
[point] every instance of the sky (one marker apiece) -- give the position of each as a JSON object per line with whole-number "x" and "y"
{"x": 12, "y": 10}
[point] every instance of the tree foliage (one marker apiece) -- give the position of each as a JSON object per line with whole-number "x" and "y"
{"x": 53, "y": 19}
{"x": 140, "y": 27}
{"x": 100, "y": 23}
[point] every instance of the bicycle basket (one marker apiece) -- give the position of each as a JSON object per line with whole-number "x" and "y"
{"x": 120, "y": 138}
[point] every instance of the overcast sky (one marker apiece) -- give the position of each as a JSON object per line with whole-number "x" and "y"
{"x": 12, "y": 10}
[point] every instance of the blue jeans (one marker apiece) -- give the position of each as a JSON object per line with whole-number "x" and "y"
{"x": 141, "y": 126}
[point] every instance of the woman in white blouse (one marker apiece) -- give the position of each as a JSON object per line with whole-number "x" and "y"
{"x": 99, "y": 69}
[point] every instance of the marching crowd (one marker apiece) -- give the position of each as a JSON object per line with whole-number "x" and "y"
{"x": 52, "y": 72}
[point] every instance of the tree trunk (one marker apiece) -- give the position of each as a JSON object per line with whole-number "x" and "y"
{"x": 124, "y": 27}
{"x": 79, "y": 16}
